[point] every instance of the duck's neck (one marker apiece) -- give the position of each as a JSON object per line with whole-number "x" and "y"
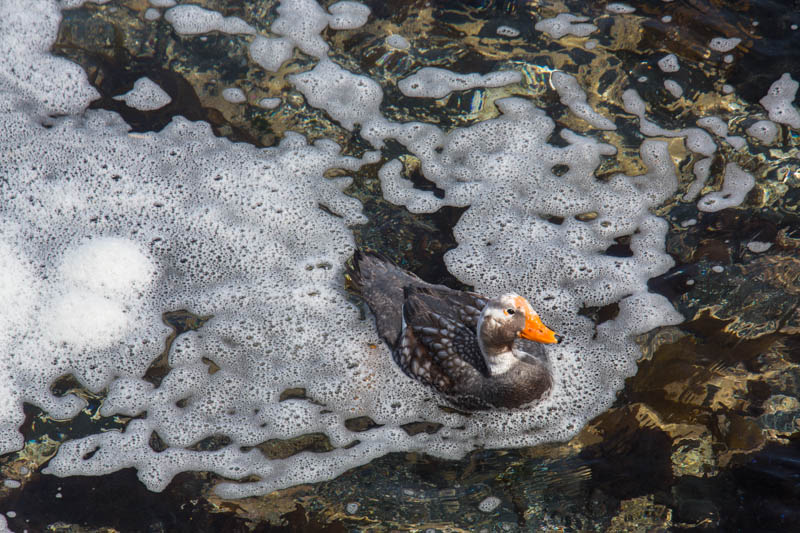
{"x": 496, "y": 346}
{"x": 499, "y": 358}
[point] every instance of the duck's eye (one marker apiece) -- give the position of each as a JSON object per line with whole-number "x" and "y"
{"x": 510, "y": 311}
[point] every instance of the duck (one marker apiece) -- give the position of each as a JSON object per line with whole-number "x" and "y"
{"x": 469, "y": 348}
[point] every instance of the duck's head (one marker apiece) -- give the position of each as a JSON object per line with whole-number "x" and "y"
{"x": 508, "y": 317}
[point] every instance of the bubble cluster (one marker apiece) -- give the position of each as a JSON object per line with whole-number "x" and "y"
{"x": 565, "y": 24}
{"x": 737, "y": 183}
{"x": 432, "y": 82}
{"x": 191, "y": 19}
{"x": 778, "y": 101}
{"x": 143, "y": 223}
{"x": 669, "y": 63}
{"x": 573, "y": 97}
{"x": 146, "y": 95}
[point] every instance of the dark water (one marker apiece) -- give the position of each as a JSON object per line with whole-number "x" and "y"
{"x": 707, "y": 434}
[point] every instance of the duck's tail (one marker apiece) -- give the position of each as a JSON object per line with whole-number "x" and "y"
{"x": 380, "y": 283}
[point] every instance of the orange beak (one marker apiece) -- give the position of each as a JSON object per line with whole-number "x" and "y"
{"x": 534, "y": 329}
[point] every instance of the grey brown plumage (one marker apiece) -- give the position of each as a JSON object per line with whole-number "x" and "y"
{"x": 459, "y": 343}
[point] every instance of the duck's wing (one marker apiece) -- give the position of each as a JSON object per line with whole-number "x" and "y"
{"x": 436, "y": 346}
{"x": 380, "y": 283}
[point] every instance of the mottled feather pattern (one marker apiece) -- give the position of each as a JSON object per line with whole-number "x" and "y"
{"x": 451, "y": 341}
{"x": 415, "y": 359}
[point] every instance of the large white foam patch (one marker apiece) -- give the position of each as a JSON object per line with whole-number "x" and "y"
{"x": 104, "y": 230}
{"x": 26, "y": 69}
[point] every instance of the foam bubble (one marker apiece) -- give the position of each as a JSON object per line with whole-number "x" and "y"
{"x": 764, "y": 130}
{"x": 778, "y": 101}
{"x": 674, "y": 88}
{"x": 701, "y": 170}
{"x": 191, "y": 20}
{"x": 234, "y": 95}
{"x": 573, "y": 97}
{"x": 86, "y": 320}
{"x": 715, "y": 125}
{"x": 398, "y": 41}
{"x": 619, "y": 8}
{"x": 736, "y": 141}
{"x": 347, "y": 15}
{"x": 489, "y": 504}
{"x": 431, "y": 82}
{"x": 29, "y": 70}
{"x": 565, "y": 23}
{"x": 669, "y": 63}
{"x": 269, "y": 103}
{"x": 302, "y": 21}
{"x": 349, "y": 98}
{"x": 734, "y": 189}
{"x": 507, "y": 31}
{"x": 697, "y": 140}
{"x": 401, "y": 191}
{"x": 146, "y": 95}
{"x": 152, "y": 14}
{"x": 721, "y": 44}
{"x": 108, "y": 266}
{"x": 270, "y": 53}
{"x": 758, "y": 246}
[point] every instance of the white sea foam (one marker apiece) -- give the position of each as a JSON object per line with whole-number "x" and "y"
{"x": 507, "y": 31}
{"x": 146, "y": 95}
{"x": 758, "y": 246}
{"x": 269, "y": 103}
{"x": 573, "y": 97}
{"x": 190, "y": 19}
{"x": 763, "y": 130}
{"x": 697, "y": 140}
{"x": 669, "y": 63}
{"x": 674, "y": 88}
{"x": 139, "y": 224}
{"x": 565, "y": 24}
{"x": 721, "y": 44}
{"x": 234, "y": 95}
{"x": 431, "y": 82}
{"x": 619, "y": 8}
{"x": 778, "y": 101}
{"x": 398, "y": 41}
{"x": 701, "y": 170}
{"x": 737, "y": 183}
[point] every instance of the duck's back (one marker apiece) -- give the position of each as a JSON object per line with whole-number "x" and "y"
{"x": 385, "y": 288}
{"x": 381, "y": 284}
